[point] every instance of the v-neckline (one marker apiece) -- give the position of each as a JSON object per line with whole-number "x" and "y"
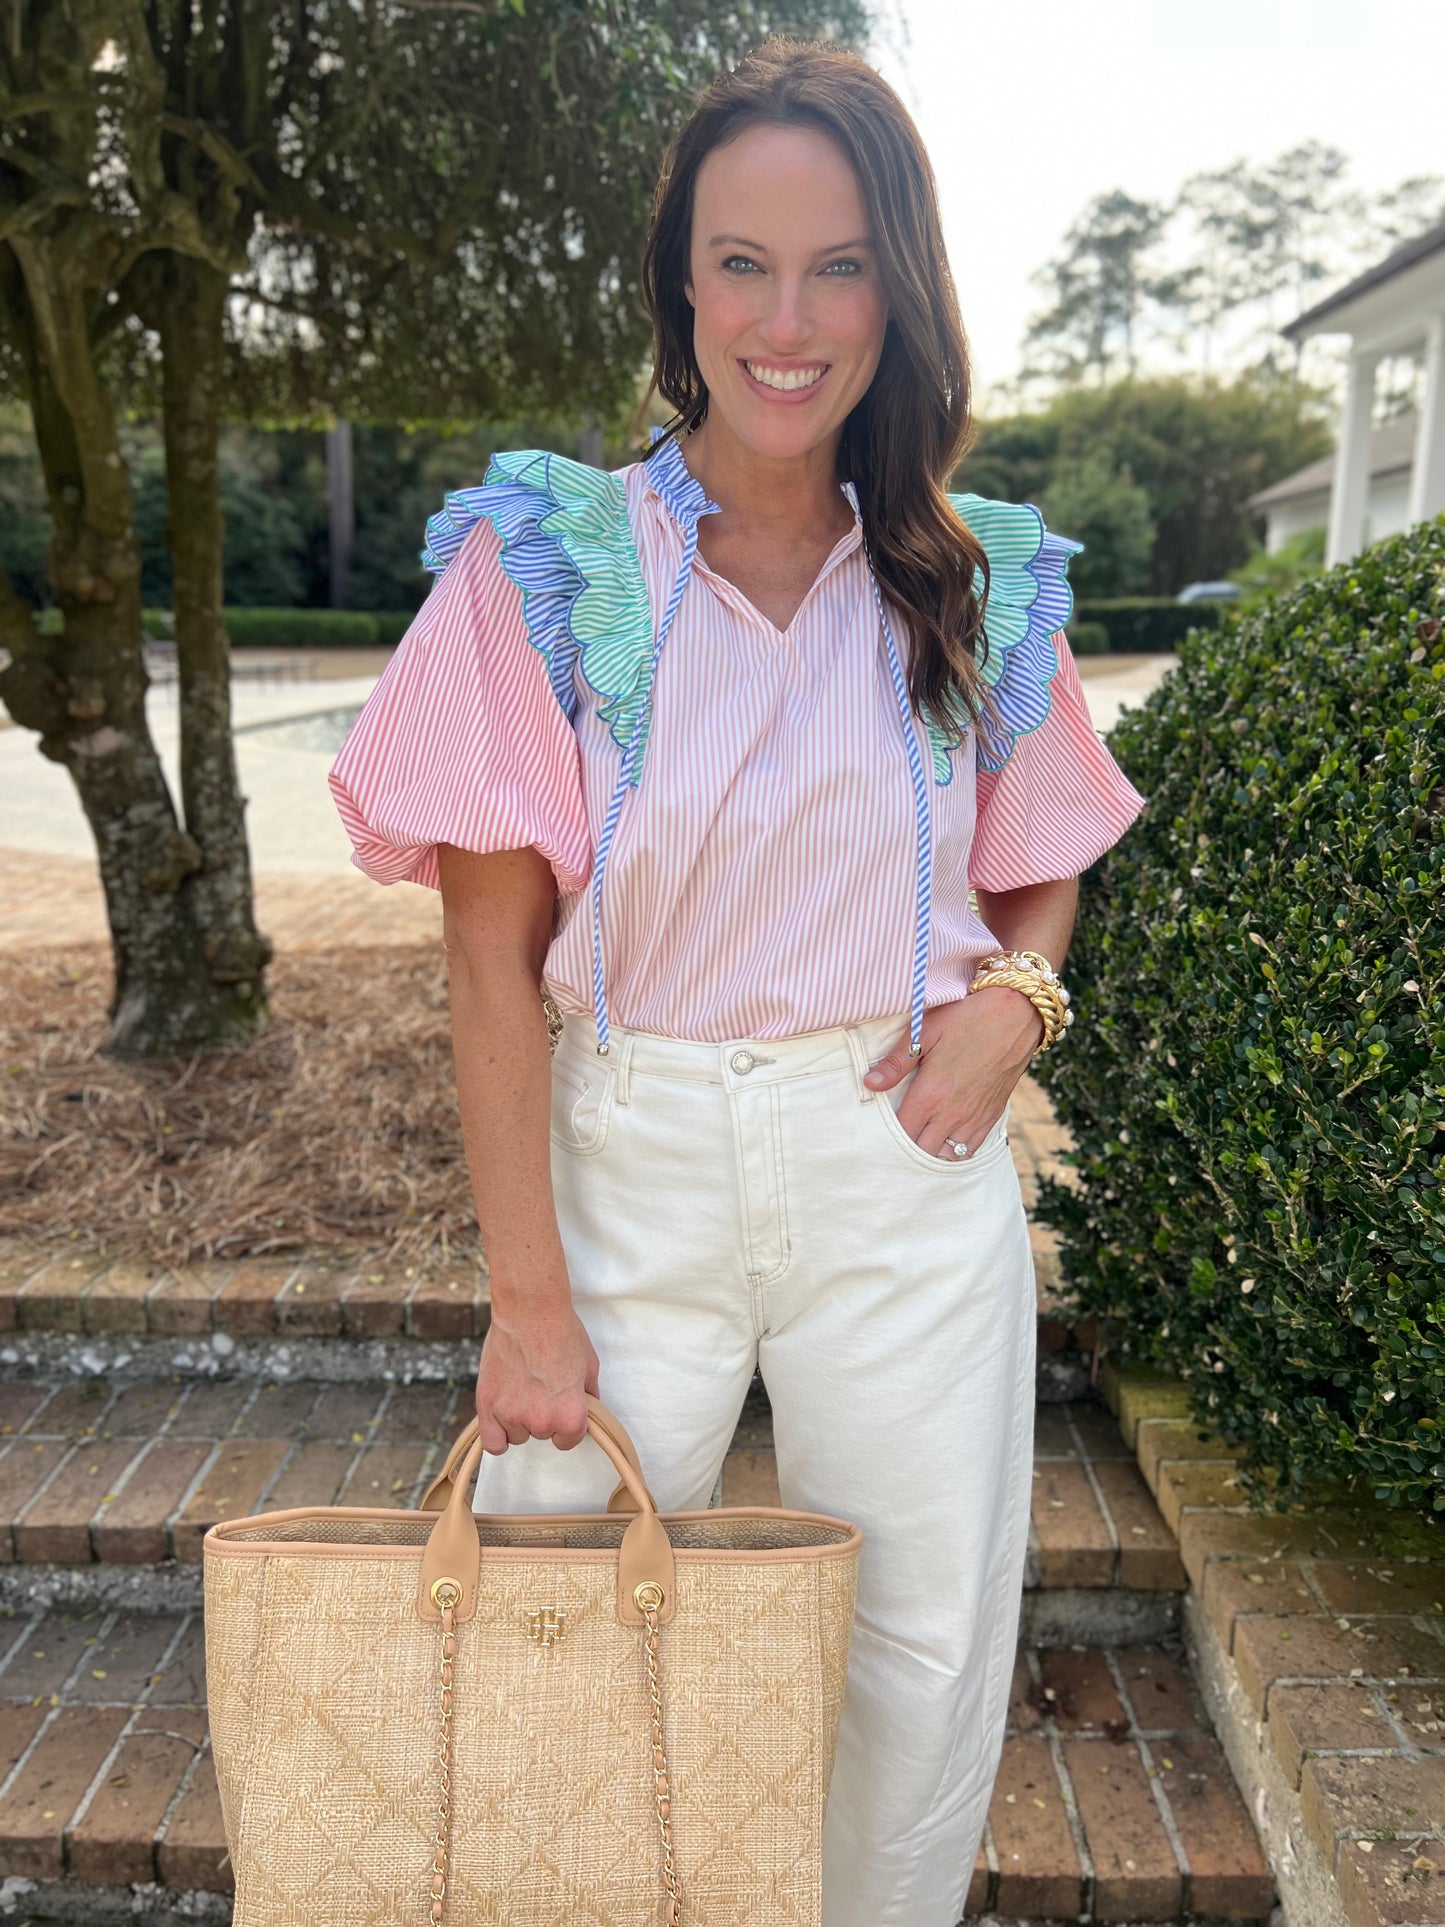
{"x": 727, "y": 589}
{"x": 673, "y": 482}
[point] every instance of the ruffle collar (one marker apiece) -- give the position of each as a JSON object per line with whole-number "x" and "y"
{"x": 673, "y": 482}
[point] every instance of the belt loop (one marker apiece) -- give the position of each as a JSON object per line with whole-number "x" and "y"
{"x": 624, "y": 1067}
{"x": 860, "y": 1062}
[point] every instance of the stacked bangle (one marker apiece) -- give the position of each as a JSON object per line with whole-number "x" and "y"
{"x": 1033, "y": 974}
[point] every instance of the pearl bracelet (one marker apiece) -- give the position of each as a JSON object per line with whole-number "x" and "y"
{"x": 1031, "y": 972}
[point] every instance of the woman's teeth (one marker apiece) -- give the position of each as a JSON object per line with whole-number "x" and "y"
{"x": 785, "y": 378}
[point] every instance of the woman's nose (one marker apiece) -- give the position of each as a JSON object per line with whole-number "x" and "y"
{"x": 788, "y": 324}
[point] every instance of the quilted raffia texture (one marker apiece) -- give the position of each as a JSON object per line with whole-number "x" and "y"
{"x": 329, "y": 1716}
{"x": 232, "y": 1598}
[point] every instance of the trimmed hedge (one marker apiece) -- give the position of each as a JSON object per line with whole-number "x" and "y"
{"x": 1255, "y": 1082}
{"x": 302, "y": 628}
{"x": 1088, "y": 638}
{"x": 1147, "y": 625}
{"x": 299, "y": 628}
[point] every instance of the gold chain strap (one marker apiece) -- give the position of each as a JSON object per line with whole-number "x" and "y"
{"x": 446, "y": 1593}
{"x": 649, "y": 1598}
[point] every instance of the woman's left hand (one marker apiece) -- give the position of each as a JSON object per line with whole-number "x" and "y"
{"x": 974, "y": 1051}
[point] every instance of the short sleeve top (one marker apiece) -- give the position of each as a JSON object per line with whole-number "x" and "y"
{"x": 783, "y": 845}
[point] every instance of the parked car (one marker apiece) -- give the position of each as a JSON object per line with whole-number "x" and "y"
{"x": 1209, "y": 592}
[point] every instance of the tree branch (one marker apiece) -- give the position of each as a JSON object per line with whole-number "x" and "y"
{"x": 27, "y": 106}
{"x": 217, "y": 149}
{"x": 21, "y": 216}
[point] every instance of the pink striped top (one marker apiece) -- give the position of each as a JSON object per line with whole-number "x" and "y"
{"x": 761, "y": 876}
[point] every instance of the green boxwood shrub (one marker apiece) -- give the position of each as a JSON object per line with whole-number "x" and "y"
{"x": 392, "y": 625}
{"x": 1256, "y": 1081}
{"x": 301, "y": 628}
{"x": 1088, "y": 638}
{"x": 281, "y": 628}
{"x": 1146, "y": 625}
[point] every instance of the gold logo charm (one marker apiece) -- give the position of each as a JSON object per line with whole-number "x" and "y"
{"x": 546, "y": 1626}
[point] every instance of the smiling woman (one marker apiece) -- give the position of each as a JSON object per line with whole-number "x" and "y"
{"x": 715, "y": 750}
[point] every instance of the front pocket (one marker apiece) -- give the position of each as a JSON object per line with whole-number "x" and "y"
{"x": 581, "y": 1106}
{"x": 995, "y": 1142}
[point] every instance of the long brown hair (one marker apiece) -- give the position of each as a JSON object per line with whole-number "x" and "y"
{"x": 903, "y": 440}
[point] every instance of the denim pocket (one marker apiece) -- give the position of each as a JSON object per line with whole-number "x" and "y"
{"x": 581, "y": 1104}
{"x": 886, "y": 1103}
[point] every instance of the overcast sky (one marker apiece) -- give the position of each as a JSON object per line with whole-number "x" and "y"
{"x": 1030, "y": 111}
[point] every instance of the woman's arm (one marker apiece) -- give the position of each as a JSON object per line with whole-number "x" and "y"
{"x": 1036, "y": 916}
{"x": 537, "y": 1362}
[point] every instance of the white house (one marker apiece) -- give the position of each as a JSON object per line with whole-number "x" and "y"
{"x": 1302, "y": 501}
{"x": 1396, "y": 307}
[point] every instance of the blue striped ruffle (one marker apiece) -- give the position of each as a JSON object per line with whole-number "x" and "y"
{"x": 567, "y": 544}
{"x": 1029, "y": 599}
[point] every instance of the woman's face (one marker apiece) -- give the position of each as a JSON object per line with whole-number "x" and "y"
{"x": 789, "y": 309}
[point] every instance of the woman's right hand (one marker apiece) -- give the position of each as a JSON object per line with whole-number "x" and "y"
{"x": 537, "y": 1367}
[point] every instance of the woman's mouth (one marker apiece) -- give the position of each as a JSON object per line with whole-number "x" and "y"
{"x": 785, "y": 383}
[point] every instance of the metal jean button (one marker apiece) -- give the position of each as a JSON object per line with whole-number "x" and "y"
{"x": 742, "y": 1061}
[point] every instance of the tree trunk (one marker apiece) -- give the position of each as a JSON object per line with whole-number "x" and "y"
{"x": 188, "y": 317}
{"x": 84, "y": 691}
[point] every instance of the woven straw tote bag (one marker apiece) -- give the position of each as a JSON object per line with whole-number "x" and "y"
{"x": 437, "y": 1718}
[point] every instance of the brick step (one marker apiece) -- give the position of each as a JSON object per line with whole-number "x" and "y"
{"x": 321, "y": 1319}
{"x": 107, "y": 1487}
{"x": 1113, "y": 1799}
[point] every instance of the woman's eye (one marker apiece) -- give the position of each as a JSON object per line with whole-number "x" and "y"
{"x": 739, "y": 260}
{"x": 853, "y": 267}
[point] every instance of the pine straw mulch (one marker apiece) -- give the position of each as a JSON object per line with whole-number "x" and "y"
{"x": 334, "y": 1132}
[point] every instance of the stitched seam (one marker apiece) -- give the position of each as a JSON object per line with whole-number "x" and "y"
{"x": 785, "y": 1243}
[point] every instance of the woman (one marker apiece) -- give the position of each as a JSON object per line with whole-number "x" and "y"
{"x": 687, "y": 681}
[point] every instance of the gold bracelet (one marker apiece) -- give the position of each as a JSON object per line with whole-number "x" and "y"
{"x": 1030, "y": 972}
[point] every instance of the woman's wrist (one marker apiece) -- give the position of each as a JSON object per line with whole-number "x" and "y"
{"x": 522, "y": 1292}
{"x": 1029, "y": 1018}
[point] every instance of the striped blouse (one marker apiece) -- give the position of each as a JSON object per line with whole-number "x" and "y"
{"x": 782, "y": 851}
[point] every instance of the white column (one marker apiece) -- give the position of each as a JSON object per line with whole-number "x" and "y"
{"x": 1351, "y": 488}
{"x": 1427, "y": 471}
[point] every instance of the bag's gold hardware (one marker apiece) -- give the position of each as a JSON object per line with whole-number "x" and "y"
{"x": 547, "y": 1625}
{"x": 445, "y": 1593}
{"x": 649, "y": 1593}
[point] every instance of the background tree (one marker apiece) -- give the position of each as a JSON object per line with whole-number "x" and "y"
{"x": 1239, "y": 250}
{"x": 1101, "y": 287}
{"x": 1271, "y": 231}
{"x": 1193, "y": 449}
{"x": 376, "y": 209}
{"x": 1412, "y": 208}
{"x": 1100, "y": 504}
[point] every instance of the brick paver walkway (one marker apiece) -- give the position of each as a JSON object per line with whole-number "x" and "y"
{"x": 1114, "y": 1800}
{"x": 56, "y": 900}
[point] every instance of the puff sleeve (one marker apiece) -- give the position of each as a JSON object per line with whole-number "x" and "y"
{"x": 1060, "y": 799}
{"x": 464, "y": 740}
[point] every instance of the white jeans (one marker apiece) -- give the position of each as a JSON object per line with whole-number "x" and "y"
{"x": 752, "y": 1204}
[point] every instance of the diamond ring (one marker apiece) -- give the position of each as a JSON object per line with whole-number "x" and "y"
{"x": 957, "y": 1146}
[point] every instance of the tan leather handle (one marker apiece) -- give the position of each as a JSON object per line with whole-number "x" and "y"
{"x": 440, "y": 1489}
{"x": 453, "y": 1550}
